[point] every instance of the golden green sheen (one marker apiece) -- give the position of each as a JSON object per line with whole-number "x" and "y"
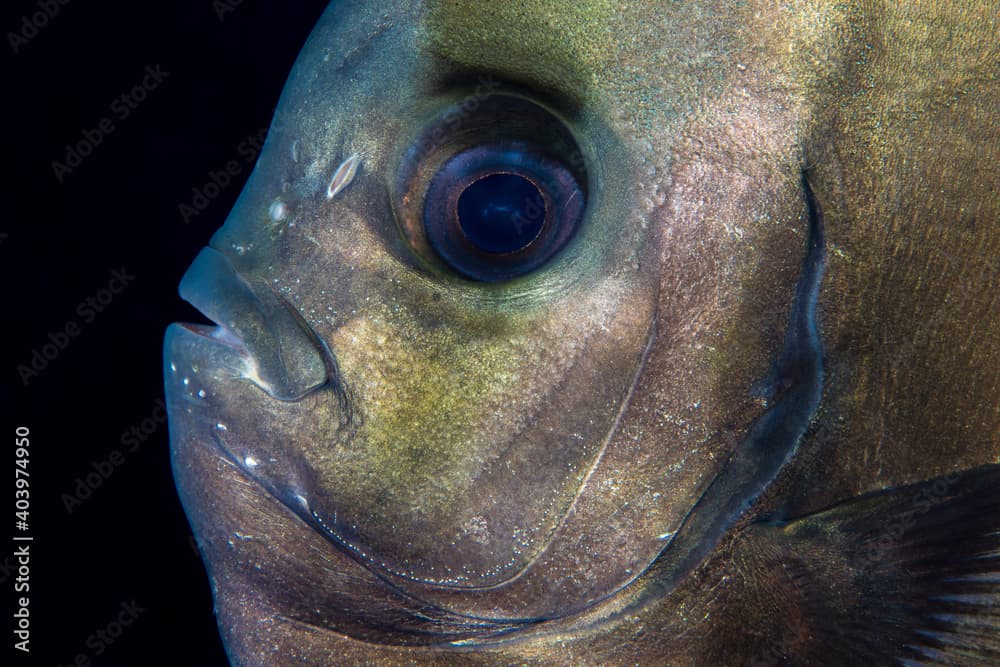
{"x": 537, "y": 441}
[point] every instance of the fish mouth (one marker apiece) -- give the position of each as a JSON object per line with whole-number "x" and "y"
{"x": 218, "y": 334}
{"x": 259, "y": 337}
{"x": 283, "y": 356}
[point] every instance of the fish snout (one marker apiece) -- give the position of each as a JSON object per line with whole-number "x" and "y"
{"x": 283, "y": 356}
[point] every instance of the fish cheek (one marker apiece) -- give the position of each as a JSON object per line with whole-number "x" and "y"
{"x": 455, "y": 420}
{"x": 263, "y": 560}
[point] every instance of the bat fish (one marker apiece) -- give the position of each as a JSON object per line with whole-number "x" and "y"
{"x": 593, "y": 333}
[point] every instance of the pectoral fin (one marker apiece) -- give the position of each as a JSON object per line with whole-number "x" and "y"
{"x": 906, "y": 576}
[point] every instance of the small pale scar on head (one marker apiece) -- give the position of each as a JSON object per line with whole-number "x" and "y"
{"x": 343, "y": 176}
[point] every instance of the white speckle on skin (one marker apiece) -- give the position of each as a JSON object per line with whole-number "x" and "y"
{"x": 173, "y": 368}
{"x": 250, "y": 462}
{"x": 201, "y": 393}
{"x": 186, "y": 381}
{"x": 295, "y": 151}
{"x": 278, "y": 210}
{"x": 343, "y": 175}
{"x": 221, "y": 427}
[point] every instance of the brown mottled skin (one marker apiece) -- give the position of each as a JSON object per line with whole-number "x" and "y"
{"x": 518, "y": 450}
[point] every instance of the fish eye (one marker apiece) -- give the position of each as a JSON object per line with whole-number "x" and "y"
{"x": 493, "y": 191}
{"x": 497, "y": 211}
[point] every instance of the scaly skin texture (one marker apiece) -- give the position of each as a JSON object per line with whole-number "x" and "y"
{"x": 517, "y": 450}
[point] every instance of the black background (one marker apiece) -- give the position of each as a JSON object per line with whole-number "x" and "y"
{"x": 128, "y": 542}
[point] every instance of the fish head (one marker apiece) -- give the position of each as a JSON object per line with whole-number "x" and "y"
{"x": 408, "y": 427}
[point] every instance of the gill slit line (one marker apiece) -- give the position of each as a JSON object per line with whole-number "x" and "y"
{"x": 488, "y": 626}
{"x": 385, "y": 574}
{"x": 626, "y": 402}
{"x": 613, "y": 428}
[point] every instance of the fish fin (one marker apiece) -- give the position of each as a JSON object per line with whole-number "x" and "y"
{"x": 905, "y": 576}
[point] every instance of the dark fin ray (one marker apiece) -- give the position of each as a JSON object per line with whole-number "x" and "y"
{"x": 906, "y": 576}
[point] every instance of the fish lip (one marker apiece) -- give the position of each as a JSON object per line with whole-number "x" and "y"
{"x": 218, "y": 335}
{"x": 288, "y": 359}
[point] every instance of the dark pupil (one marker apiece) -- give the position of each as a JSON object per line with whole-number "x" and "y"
{"x": 501, "y": 212}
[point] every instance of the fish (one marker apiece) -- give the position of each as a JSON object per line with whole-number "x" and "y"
{"x": 604, "y": 333}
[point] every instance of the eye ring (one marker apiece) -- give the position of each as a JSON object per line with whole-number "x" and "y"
{"x": 536, "y": 227}
{"x": 472, "y": 164}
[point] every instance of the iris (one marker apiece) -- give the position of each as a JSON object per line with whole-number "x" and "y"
{"x": 497, "y": 211}
{"x": 491, "y": 192}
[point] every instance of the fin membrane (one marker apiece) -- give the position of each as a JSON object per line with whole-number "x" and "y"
{"x": 907, "y": 576}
